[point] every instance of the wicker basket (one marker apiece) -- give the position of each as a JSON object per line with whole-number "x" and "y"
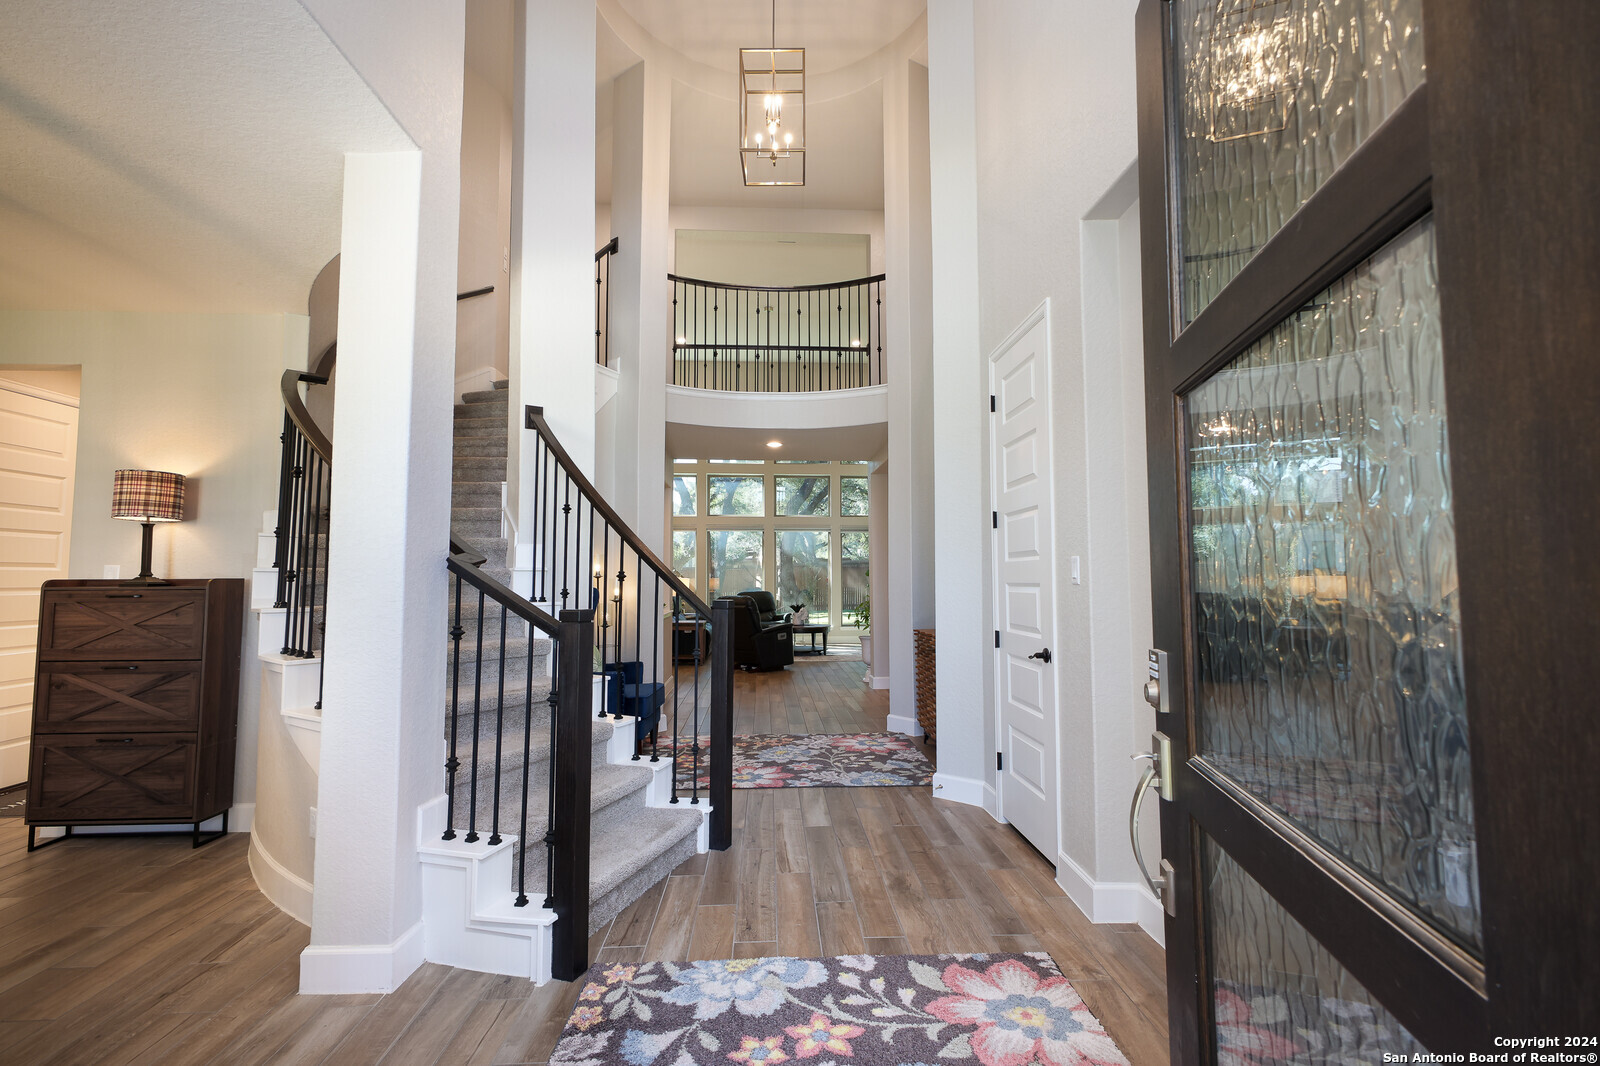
{"x": 927, "y": 690}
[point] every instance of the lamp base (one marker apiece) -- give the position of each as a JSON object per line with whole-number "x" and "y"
{"x": 145, "y": 578}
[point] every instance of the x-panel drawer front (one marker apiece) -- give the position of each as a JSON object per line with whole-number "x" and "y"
{"x": 150, "y": 623}
{"x": 81, "y": 779}
{"x": 124, "y": 696}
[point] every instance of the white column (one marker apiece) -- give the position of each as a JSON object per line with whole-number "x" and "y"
{"x": 552, "y": 242}
{"x": 911, "y": 535}
{"x": 641, "y": 301}
{"x": 381, "y": 746}
{"x": 960, "y": 407}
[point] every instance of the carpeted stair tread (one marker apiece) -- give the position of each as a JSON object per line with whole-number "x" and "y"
{"x": 481, "y": 447}
{"x": 499, "y": 396}
{"x": 477, "y": 424}
{"x": 611, "y": 785}
{"x": 628, "y": 855}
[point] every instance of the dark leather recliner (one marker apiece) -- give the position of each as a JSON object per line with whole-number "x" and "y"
{"x": 767, "y": 604}
{"x": 758, "y": 645}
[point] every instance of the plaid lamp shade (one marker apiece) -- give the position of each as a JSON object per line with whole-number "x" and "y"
{"x": 147, "y": 496}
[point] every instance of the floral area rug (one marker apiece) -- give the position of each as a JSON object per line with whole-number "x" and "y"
{"x": 822, "y": 760}
{"x": 884, "y": 1010}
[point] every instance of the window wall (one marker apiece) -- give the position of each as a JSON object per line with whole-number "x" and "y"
{"x": 795, "y": 527}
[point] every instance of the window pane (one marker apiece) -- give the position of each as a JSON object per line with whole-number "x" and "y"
{"x": 1325, "y": 600}
{"x": 852, "y": 462}
{"x": 853, "y": 496}
{"x": 803, "y": 495}
{"x": 803, "y": 556}
{"x": 800, "y": 462}
{"x": 683, "y": 557}
{"x": 853, "y": 573}
{"x": 738, "y": 496}
{"x": 1273, "y": 97}
{"x": 683, "y": 497}
{"x": 686, "y": 462}
{"x": 735, "y": 561}
{"x": 740, "y": 462}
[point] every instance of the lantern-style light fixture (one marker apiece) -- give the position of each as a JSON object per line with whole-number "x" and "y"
{"x": 772, "y": 112}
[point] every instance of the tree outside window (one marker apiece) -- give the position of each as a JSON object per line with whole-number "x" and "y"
{"x": 734, "y": 562}
{"x": 803, "y": 570}
{"x": 737, "y": 496}
{"x": 683, "y": 497}
{"x": 853, "y": 571}
{"x": 684, "y": 563}
{"x": 803, "y": 495}
{"x": 853, "y": 496}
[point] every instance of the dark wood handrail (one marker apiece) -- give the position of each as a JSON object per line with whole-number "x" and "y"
{"x": 777, "y": 288}
{"x": 609, "y": 249}
{"x": 536, "y": 422}
{"x": 462, "y": 566}
{"x": 467, "y": 552}
{"x": 296, "y": 407}
{"x": 486, "y": 290}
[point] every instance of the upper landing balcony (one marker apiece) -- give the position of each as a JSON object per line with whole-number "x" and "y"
{"x": 762, "y": 339}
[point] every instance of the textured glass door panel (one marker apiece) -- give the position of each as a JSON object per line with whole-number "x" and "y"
{"x": 1325, "y": 609}
{"x": 1277, "y": 995}
{"x": 1272, "y": 96}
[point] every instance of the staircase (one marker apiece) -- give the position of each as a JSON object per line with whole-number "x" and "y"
{"x": 637, "y": 836}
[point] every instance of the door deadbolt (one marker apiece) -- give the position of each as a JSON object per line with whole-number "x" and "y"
{"x": 1042, "y": 656}
{"x": 1156, "y": 685}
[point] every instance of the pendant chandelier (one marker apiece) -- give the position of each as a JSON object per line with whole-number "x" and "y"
{"x": 772, "y": 112}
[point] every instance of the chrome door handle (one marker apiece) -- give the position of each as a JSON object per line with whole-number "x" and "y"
{"x": 1158, "y": 775}
{"x": 1043, "y": 656}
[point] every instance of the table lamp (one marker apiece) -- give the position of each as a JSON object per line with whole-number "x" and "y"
{"x": 147, "y": 496}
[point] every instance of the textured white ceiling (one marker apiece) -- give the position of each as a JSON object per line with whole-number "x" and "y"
{"x": 834, "y": 33}
{"x": 173, "y": 155}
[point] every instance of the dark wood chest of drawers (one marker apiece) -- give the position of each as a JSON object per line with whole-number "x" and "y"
{"x": 135, "y": 704}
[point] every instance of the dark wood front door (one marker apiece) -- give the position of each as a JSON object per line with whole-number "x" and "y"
{"x": 1370, "y": 307}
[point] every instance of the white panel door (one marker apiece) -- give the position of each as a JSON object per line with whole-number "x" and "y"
{"x": 1019, "y": 449}
{"x": 38, "y": 451}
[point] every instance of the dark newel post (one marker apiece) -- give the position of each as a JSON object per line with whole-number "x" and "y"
{"x": 574, "y": 750}
{"x": 721, "y": 790}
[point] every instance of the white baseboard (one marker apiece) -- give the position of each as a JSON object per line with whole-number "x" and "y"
{"x": 968, "y": 790}
{"x": 1110, "y": 902}
{"x": 874, "y": 681}
{"x": 289, "y": 892}
{"x": 900, "y": 723}
{"x": 359, "y": 969}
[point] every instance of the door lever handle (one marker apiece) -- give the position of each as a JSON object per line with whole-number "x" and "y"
{"x": 1043, "y": 656}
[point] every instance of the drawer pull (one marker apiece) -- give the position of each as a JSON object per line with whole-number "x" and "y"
{"x": 119, "y": 668}
{"x": 124, "y": 595}
{"x": 113, "y": 740}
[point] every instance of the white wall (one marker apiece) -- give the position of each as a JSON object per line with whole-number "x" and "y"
{"x": 780, "y": 220}
{"x": 744, "y": 257}
{"x": 391, "y": 496}
{"x": 483, "y": 335}
{"x": 1034, "y": 195}
{"x": 195, "y": 394}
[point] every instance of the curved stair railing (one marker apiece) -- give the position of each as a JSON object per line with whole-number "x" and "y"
{"x": 665, "y": 656}
{"x": 301, "y": 552}
{"x": 760, "y": 338}
{"x": 482, "y": 608}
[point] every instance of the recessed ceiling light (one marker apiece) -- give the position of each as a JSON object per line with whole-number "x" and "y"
{"x": 774, "y": 443}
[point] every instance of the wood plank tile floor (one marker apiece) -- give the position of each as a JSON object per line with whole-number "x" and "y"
{"x": 124, "y": 950}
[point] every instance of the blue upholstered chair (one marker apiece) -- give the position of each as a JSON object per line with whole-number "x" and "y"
{"x": 629, "y": 695}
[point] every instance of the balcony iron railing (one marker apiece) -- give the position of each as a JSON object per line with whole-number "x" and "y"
{"x": 753, "y": 338}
